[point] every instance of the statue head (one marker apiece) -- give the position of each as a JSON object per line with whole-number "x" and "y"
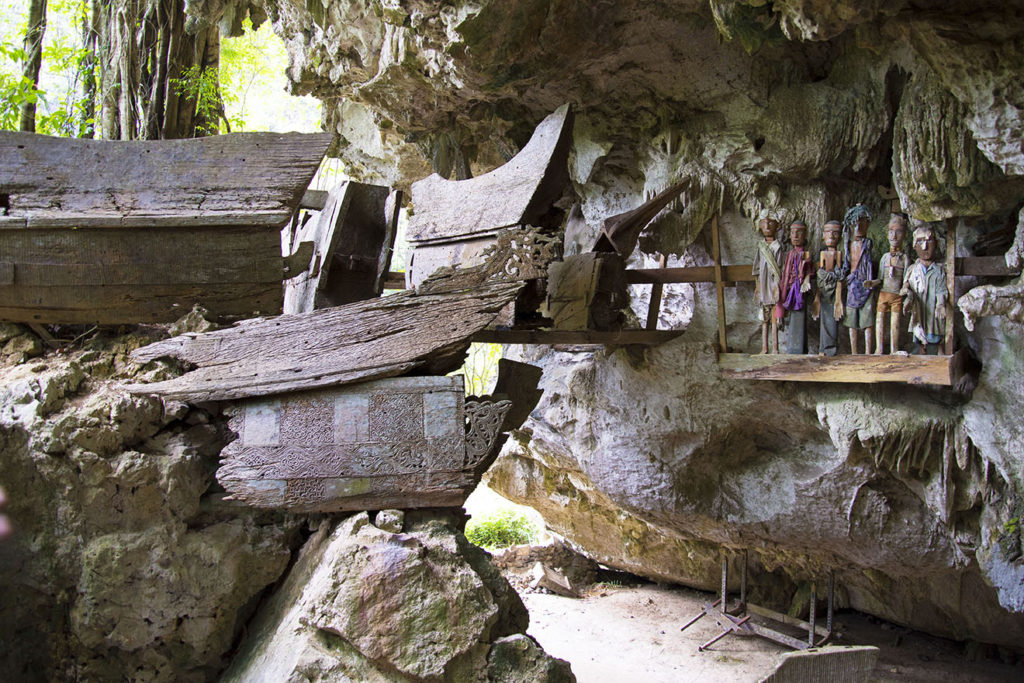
{"x": 832, "y": 232}
{"x": 798, "y": 233}
{"x": 926, "y": 244}
{"x": 768, "y": 227}
{"x": 857, "y": 221}
{"x": 898, "y": 224}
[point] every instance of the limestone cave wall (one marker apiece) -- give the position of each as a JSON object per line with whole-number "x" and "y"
{"x": 647, "y": 460}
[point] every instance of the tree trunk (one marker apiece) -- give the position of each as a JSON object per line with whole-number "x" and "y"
{"x": 144, "y": 54}
{"x": 33, "y": 58}
{"x": 87, "y": 67}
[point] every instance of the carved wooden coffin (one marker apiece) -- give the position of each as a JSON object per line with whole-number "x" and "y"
{"x": 352, "y": 239}
{"x": 110, "y": 232}
{"x": 455, "y": 221}
{"x": 395, "y": 443}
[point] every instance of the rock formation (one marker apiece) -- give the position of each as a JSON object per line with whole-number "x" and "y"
{"x": 648, "y": 461}
{"x": 127, "y": 560}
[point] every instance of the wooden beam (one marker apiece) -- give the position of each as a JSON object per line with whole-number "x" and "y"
{"x": 860, "y": 369}
{"x": 395, "y": 280}
{"x": 654, "y": 306}
{"x": 716, "y": 248}
{"x": 314, "y": 200}
{"x": 980, "y": 266}
{"x": 950, "y": 284}
{"x": 388, "y": 246}
{"x": 639, "y": 276}
{"x": 610, "y": 338}
{"x": 984, "y": 266}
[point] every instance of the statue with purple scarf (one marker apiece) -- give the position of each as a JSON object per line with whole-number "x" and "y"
{"x": 859, "y": 275}
{"x": 794, "y": 288}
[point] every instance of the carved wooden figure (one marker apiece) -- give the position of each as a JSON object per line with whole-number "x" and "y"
{"x": 926, "y": 292}
{"x": 767, "y": 273}
{"x": 828, "y": 303}
{"x": 860, "y": 306}
{"x": 794, "y": 287}
{"x": 891, "y": 270}
{"x": 405, "y": 442}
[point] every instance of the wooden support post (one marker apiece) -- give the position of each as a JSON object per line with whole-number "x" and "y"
{"x": 950, "y": 284}
{"x": 716, "y": 248}
{"x": 654, "y": 307}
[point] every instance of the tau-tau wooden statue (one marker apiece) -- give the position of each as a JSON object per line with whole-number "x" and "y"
{"x": 891, "y": 269}
{"x": 860, "y": 309}
{"x": 925, "y": 292}
{"x": 828, "y": 302}
{"x": 767, "y": 274}
{"x": 793, "y": 289}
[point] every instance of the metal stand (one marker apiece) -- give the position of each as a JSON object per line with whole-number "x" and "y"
{"x": 738, "y": 620}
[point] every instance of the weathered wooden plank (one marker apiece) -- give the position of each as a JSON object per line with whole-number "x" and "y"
{"x": 860, "y": 369}
{"x": 394, "y": 210}
{"x": 243, "y": 178}
{"x": 950, "y": 285}
{"x": 348, "y": 235}
{"x": 116, "y": 304}
{"x": 740, "y": 273}
{"x": 356, "y": 342}
{"x": 985, "y": 266}
{"x": 314, "y": 200}
{"x": 101, "y": 275}
{"x": 716, "y": 250}
{"x": 620, "y": 233}
{"x": 521, "y": 192}
{"x": 654, "y": 303}
{"x": 178, "y": 247}
{"x": 596, "y": 337}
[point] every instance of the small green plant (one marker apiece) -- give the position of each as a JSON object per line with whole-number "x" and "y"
{"x": 501, "y": 529}
{"x": 202, "y": 86}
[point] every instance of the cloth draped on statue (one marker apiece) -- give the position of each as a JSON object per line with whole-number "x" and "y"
{"x": 795, "y": 274}
{"x": 856, "y": 293}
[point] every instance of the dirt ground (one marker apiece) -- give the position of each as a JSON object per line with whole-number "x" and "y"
{"x": 624, "y": 634}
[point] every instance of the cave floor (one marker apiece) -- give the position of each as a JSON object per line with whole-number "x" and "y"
{"x": 621, "y": 634}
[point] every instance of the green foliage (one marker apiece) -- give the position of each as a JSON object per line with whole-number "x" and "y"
{"x": 58, "y": 109}
{"x": 202, "y": 86}
{"x": 481, "y": 368}
{"x": 501, "y": 529}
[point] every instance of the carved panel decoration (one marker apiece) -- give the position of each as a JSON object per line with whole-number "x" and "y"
{"x": 398, "y": 442}
{"x": 484, "y": 424}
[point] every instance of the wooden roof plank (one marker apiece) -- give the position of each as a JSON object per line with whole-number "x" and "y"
{"x": 364, "y": 340}
{"x": 250, "y": 178}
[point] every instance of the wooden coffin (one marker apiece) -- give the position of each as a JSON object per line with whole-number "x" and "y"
{"x": 116, "y": 232}
{"x": 352, "y": 236}
{"x": 456, "y": 221}
{"x": 394, "y": 443}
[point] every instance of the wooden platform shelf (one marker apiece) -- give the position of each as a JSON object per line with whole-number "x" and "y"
{"x": 860, "y": 369}
{"x": 616, "y": 338}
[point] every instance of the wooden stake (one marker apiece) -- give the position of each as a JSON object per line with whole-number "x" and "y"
{"x": 654, "y": 308}
{"x": 950, "y": 283}
{"x": 716, "y": 248}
